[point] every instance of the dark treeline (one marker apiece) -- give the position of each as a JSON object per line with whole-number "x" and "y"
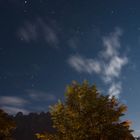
{"x": 28, "y": 125}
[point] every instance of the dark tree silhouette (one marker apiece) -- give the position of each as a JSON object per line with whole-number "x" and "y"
{"x": 7, "y": 126}
{"x": 29, "y": 125}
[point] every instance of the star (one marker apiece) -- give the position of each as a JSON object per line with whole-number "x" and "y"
{"x": 112, "y": 12}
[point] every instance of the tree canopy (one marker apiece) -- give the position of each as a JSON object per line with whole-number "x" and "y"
{"x": 88, "y": 115}
{"x": 7, "y": 125}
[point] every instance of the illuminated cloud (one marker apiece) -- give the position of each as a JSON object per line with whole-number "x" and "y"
{"x": 37, "y": 95}
{"x": 115, "y": 90}
{"x": 38, "y": 30}
{"x": 12, "y": 101}
{"x": 113, "y": 62}
{"x": 28, "y": 32}
{"x": 108, "y": 64}
{"x": 113, "y": 68}
{"x": 111, "y": 44}
{"x": 81, "y": 64}
{"x": 12, "y": 104}
{"x": 14, "y": 110}
{"x": 136, "y": 133}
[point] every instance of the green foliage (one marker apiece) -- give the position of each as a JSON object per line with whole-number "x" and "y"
{"x": 88, "y": 115}
{"x": 6, "y": 126}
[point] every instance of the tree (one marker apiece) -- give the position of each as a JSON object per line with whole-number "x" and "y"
{"x": 28, "y": 125}
{"x": 88, "y": 115}
{"x": 7, "y": 125}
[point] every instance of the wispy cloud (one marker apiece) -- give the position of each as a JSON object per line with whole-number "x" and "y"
{"x": 32, "y": 100}
{"x": 108, "y": 64}
{"x": 113, "y": 62}
{"x": 14, "y": 110}
{"x": 37, "y": 95}
{"x": 37, "y": 30}
{"x": 12, "y": 104}
{"x": 82, "y": 64}
{"x": 12, "y": 101}
{"x": 28, "y": 32}
{"x": 115, "y": 89}
{"x": 112, "y": 43}
{"x": 136, "y": 133}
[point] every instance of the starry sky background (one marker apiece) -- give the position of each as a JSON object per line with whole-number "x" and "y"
{"x": 46, "y": 44}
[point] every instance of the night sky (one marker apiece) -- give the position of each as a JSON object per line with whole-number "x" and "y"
{"x": 46, "y": 44}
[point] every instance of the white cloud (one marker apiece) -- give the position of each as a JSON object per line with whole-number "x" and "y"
{"x": 108, "y": 64}
{"x": 136, "y": 133}
{"x": 37, "y": 95}
{"x": 115, "y": 90}
{"x": 81, "y": 64}
{"x": 12, "y": 101}
{"x": 112, "y": 43}
{"x": 28, "y": 32}
{"x": 38, "y": 30}
{"x": 49, "y": 33}
{"x": 14, "y": 110}
{"x": 12, "y": 104}
{"x": 113, "y": 62}
{"x": 114, "y": 67}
